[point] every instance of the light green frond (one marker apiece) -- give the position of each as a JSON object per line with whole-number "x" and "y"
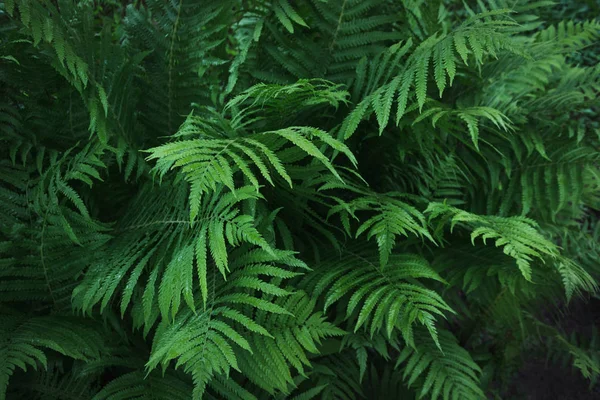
{"x": 292, "y": 339}
{"x": 213, "y": 341}
{"x": 392, "y": 218}
{"x": 464, "y": 41}
{"x": 517, "y": 235}
{"x": 163, "y": 242}
{"x": 210, "y": 161}
{"x": 387, "y": 297}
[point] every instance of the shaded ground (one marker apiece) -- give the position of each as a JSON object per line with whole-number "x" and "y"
{"x": 538, "y": 381}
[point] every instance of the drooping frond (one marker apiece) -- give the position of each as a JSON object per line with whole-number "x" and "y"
{"x": 470, "y": 116}
{"x": 292, "y": 338}
{"x": 520, "y": 240}
{"x": 480, "y": 36}
{"x": 22, "y": 340}
{"x": 63, "y": 30}
{"x": 162, "y": 246}
{"x": 209, "y": 342}
{"x": 207, "y": 163}
{"x": 388, "y": 297}
{"x": 392, "y": 218}
{"x": 209, "y": 200}
{"x": 449, "y": 373}
{"x": 517, "y": 235}
{"x": 572, "y": 350}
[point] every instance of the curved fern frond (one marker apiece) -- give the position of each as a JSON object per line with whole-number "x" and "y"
{"x": 389, "y": 297}
{"x": 520, "y": 239}
{"x": 479, "y": 36}
{"x": 162, "y": 242}
{"x": 451, "y": 372}
{"x": 392, "y": 217}
{"x": 207, "y": 163}
{"x": 22, "y": 338}
{"x": 292, "y": 339}
{"x": 212, "y": 341}
{"x": 518, "y": 235}
{"x": 471, "y": 116}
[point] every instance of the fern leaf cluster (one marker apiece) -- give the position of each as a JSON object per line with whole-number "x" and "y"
{"x": 209, "y": 200}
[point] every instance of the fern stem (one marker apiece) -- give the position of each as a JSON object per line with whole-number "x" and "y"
{"x": 168, "y": 222}
{"x": 337, "y": 28}
{"x": 549, "y": 164}
{"x": 170, "y": 66}
{"x": 210, "y": 311}
{"x": 163, "y": 222}
{"x": 42, "y": 258}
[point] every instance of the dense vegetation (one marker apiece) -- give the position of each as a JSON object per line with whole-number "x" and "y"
{"x": 273, "y": 199}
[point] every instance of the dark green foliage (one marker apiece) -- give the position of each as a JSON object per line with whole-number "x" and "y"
{"x": 276, "y": 199}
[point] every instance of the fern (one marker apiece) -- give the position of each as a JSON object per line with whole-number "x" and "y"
{"x": 519, "y": 240}
{"x": 136, "y": 385}
{"x": 54, "y": 385}
{"x": 517, "y": 235}
{"x": 393, "y": 218}
{"x": 451, "y": 376}
{"x": 445, "y": 52}
{"x": 293, "y": 337}
{"x": 22, "y": 337}
{"x": 381, "y": 297}
{"x": 209, "y": 199}
{"x": 210, "y": 160}
{"x": 207, "y": 343}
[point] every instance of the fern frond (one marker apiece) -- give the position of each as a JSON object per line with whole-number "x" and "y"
{"x": 569, "y": 35}
{"x": 393, "y": 217}
{"x": 22, "y": 338}
{"x": 336, "y": 376}
{"x": 451, "y": 372}
{"x": 136, "y": 385}
{"x": 187, "y": 172}
{"x": 164, "y": 242}
{"x": 387, "y": 297}
{"x": 54, "y": 385}
{"x": 517, "y": 235}
{"x": 209, "y": 162}
{"x": 471, "y": 116}
{"x": 478, "y": 36}
{"x": 211, "y": 342}
{"x": 292, "y": 339}
{"x": 278, "y": 100}
{"x": 570, "y": 349}
{"x": 341, "y": 33}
